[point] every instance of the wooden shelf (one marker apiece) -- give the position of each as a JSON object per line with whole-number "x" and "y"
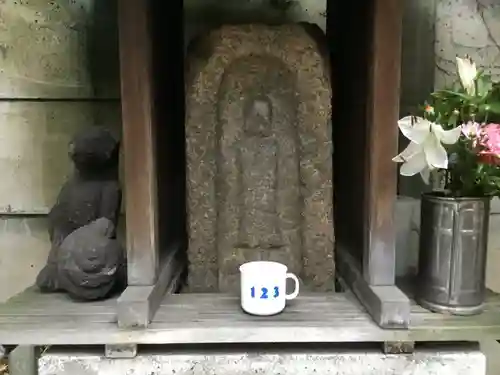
{"x": 35, "y": 319}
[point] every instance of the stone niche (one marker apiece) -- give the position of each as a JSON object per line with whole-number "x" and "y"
{"x": 259, "y": 155}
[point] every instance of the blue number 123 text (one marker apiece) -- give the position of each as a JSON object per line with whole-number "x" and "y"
{"x": 264, "y": 293}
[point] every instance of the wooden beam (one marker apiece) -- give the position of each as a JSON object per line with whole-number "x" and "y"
{"x": 137, "y": 305}
{"x": 398, "y": 347}
{"x": 23, "y": 360}
{"x": 138, "y": 142}
{"x": 388, "y": 306}
{"x": 206, "y": 318}
{"x": 379, "y": 255}
{"x": 120, "y": 351}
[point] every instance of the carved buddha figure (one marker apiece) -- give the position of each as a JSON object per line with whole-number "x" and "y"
{"x": 259, "y": 225}
{"x": 259, "y": 157}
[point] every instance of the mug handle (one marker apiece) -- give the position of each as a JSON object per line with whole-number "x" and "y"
{"x": 296, "y": 290}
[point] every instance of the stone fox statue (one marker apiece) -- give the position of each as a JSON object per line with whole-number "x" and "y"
{"x": 85, "y": 259}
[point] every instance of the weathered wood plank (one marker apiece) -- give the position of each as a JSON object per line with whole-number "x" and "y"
{"x": 120, "y": 351}
{"x": 138, "y": 143}
{"x": 23, "y": 360}
{"x": 33, "y": 306}
{"x": 398, "y": 347}
{"x": 379, "y": 258}
{"x": 73, "y": 320}
{"x": 216, "y": 318}
{"x": 388, "y": 306}
{"x": 55, "y": 302}
{"x": 138, "y": 304}
{"x": 32, "y": 297}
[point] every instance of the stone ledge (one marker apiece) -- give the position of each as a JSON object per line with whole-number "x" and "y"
{"x": 265, "y": 361}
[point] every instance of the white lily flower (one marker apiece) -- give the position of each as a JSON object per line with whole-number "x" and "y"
{"x": 425, "y": 151}
{"x": 467, "y": 72}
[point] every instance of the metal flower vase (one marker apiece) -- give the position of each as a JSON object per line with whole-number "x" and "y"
{"x": 452, "y": 259}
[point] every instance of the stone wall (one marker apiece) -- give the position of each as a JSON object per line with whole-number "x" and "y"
{"x": 466, "y": 27}
{"x": 201, "y": 15}
{"x": 58, "y": 70}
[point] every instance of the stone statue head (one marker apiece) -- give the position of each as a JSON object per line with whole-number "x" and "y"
{"x": 94, "y": 148}
{"x": 258, "y": 116}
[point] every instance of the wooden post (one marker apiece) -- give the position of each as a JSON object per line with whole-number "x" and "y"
{"x": 366, "y": 54}
{"x": 138, "y": 142}
{"x": 148, "y": 280}
{"x": 379, "y": 255}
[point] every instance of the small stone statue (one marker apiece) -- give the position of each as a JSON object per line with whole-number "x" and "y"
{"x": 91, "y": 264}
{"x": 85, "y": 263}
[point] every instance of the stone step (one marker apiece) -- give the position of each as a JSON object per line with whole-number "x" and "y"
{"x": 256, "y": 361}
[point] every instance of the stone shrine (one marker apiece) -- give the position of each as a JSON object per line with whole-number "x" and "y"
{"x": 259, "y": 155}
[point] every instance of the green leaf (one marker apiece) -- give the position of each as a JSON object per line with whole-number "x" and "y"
{"x": 457, "y": 86}
{"x": 490, "y": 108}
{"x": 484, "y": 85}
{"x": 453, "y": 119}
{"x": 456, "y": 94}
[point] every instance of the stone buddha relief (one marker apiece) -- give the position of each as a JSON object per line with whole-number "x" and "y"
{"x": 259, "y": 156}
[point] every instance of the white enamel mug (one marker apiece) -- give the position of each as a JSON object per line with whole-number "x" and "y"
{"x": 263, "y": 287}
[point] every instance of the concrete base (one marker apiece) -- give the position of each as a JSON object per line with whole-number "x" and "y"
{"x": 273, "y": 363}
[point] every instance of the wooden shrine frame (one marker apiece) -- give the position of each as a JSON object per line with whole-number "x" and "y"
{"x": 373, "y": 281}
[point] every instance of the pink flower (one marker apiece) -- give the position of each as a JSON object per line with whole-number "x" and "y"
{"x": 471, "y": 129}
{"x": 489, "y": 141}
